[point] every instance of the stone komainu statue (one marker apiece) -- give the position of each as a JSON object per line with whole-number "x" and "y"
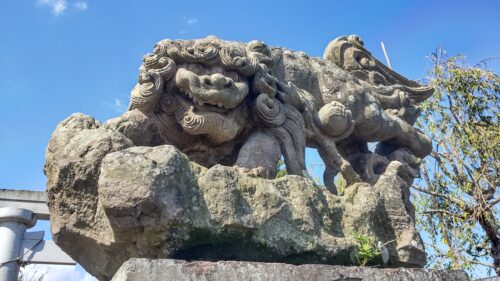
{"x": 248, "y": 105}
{"x": 123, "y": 189}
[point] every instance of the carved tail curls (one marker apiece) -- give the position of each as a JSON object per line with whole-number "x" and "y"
{"x": 395, "y": 93}
{"x": 349, "y": 53}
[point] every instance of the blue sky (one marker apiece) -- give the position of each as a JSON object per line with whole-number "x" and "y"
{"x": 58, "y": 57}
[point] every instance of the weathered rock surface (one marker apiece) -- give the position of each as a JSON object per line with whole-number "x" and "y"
{"x": 111, "y": 201}
{"x": 166, "y": 270}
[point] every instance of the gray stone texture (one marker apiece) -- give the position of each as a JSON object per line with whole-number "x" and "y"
{"x": 175, "y": 270}
{"x": 111, "y": 201}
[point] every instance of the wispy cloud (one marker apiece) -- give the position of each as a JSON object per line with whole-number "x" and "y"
{"x": 116, "y": 105}
{"x": 81, "y": 6}
{"x": 192, "y": 21}
{"x": 188, "y": 22}
{"x": 58, "y": 7}
{"x": 119, "y": 105}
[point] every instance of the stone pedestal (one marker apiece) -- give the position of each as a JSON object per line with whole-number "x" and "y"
{"x": 178, "y": 270}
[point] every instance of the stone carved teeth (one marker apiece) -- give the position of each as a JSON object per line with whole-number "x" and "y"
{"x": 198, "y": 101}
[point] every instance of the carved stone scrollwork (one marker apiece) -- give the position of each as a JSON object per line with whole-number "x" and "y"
{"x": 269, "y": 111}
{"x": 335, "y": 120}
{"x": 349, "y": 53}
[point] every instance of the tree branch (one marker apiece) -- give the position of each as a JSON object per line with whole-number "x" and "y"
{"x": 493, "y": 202}
{"x": 481, "y": 263}
{"x": 434, "y": 211}
{"x": 457, "y": 202}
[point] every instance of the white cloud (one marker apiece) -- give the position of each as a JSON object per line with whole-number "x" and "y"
{"x": 82, "y": 6}
{"x": 189, "y": 21}
{"x": 57, "y": 6}
{"x": 116, "y": 105}
{"x": 55, "y": 273}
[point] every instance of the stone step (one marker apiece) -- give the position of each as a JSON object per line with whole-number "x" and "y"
{"x": 179, "y": 270}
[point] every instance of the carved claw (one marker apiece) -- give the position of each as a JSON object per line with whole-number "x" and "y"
{"x": 253, "y": 172}
{"x": 256, "y": 171}
{"x": 348, "y": 173}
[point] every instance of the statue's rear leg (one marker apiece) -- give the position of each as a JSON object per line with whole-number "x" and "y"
{"x": 392, "y": 130}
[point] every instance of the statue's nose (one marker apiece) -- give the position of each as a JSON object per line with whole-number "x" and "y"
{"x": 216, "y": 80}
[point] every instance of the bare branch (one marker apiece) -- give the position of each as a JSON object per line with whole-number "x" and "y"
{"x": 435, "y": 211}
{"x": 493, "y": 202}
{"x": 481, "y": 263}
{"x": 457, "y": 202}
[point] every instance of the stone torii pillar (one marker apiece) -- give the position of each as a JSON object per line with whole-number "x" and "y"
{"x": 20, "y": 210}
{"x": 13, "y": 225}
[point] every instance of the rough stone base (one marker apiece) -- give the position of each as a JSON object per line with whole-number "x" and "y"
{"x": 179, "y": 270}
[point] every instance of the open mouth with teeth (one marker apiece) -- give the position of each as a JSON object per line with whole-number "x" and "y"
{"x": 200, "y": 101}
{"x": 212, "y": 88}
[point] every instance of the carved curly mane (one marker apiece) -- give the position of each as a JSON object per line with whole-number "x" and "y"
{"x": 153, "y": 96}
